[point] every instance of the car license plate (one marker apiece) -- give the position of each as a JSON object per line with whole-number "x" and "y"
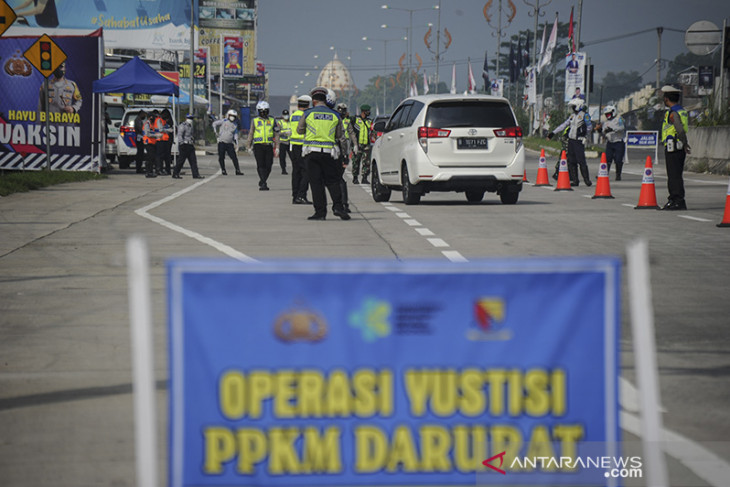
{"x": 471, "y": 143}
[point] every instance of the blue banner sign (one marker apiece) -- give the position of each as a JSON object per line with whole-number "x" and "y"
{"x": 383, "y": 373}
{"x": 641, "y": 139}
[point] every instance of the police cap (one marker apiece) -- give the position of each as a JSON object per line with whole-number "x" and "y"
{"x": 670, "y": 89}
{"x": 319, "y": 93}
{"x": 364, "y": 108}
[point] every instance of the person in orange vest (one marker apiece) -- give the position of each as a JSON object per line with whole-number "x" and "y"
{"x": 150, "y": 141}
{"x": 165, "y": 127}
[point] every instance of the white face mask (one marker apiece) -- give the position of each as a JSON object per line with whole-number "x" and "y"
{"x": 286, "y": 117}
{"x": 232, "y": 118}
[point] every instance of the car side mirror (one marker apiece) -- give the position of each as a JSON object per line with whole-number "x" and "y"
{"x": 117, "y": 124}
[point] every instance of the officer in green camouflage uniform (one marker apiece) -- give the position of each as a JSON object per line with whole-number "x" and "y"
{"x": 362, "y": 126}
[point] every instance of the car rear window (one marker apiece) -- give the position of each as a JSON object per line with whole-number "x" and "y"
{"x": 469, "y": 113}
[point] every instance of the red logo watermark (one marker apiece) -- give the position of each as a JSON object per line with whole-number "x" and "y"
{"x": 487, "y": 462}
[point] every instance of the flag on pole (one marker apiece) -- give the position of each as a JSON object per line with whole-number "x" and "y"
{"x": 453, "y": 79}
{"x": 552, "y": 42}
{"x": 472, "y": 88}
{"x": 425, "y": 83}
{"x": 571, "y": 34}
{"x": 485, "y": 73}
{"x": 542, "y": 44}
{"x": 413, "y": 89}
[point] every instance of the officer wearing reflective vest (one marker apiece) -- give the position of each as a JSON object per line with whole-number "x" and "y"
{"x": 362, "y": 127}
{"x": 323, "y": 137}
{"x": 264, "y": 139}
{"x": 284, "y": 138}
{"x": 299, "y": 178}
{"x": 676, "y": 148}
{"x": 151, "y": 135}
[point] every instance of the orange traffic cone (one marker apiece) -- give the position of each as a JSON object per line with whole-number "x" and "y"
{"x": 647, "y": 197}
{"x": 726, "y": 217}
{"x": 563, "y": 176}
{"x": 524, "y": 177}
{"x": 542, "y": 172}
{"x": 603, "y": 186}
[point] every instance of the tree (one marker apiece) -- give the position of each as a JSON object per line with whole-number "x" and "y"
{"x": 618, "y": 85}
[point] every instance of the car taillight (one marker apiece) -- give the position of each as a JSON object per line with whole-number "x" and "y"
{"x": 425, "y": 133}
{"x": 509, "y": 132}
{"x": 124, "y": 129}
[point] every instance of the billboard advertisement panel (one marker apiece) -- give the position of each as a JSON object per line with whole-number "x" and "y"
{"x": 73, "y": 112}
{"x": 148, "y": 24}
{"x": 372, "y": 373}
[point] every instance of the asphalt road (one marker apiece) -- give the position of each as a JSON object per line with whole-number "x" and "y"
{"x": 66, "y": 414}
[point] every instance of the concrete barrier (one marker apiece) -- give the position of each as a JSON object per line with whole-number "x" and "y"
{"x": 710, "y": 150}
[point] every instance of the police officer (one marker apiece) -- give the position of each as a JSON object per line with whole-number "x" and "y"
{"x": 284, "y": 139}
{"x": 676, "y": 148}
{"x": 323, "y": 137}
{"x": 614, "y": 129}
{"x": 362, "y": 127}
{"x": 63, "y": 94}
{"x": 263, "y": 138}
{"x": 166, "y": 128}
{"x": 350, "y": 142}
{"x": 151, "y": 135}
{"x": 139, "y": 140}
{"x": 579, "y": 128}
{"x": 299, "y": 178}
{"x": 226, "y": 130}
{"x": 185, "y": 142}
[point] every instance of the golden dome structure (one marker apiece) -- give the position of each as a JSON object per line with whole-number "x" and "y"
{"x": 336, "y": 76}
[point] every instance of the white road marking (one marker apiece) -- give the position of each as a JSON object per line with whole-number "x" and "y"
{"x": 626, "y": 204}
{"x": 403, "y": 215}
{"x": 413, "y": 223}
{"x": 393, "y": 208}
{"x": 223, "y": 248}
{"x": 454, "y": 256}
{"x": 695, "y": 218}
{"x": 425, "y": 232}
{"x": 437, "y": 242}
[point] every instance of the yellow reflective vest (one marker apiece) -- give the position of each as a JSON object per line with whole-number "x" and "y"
{"x": 363, "y": 127}
{"x": 285, "y": 131}
{"x": 263, "y": 130}
{"x": 668, "y": 129}
{"x": 321, "y": 127}
{"x": 296, "y": 138}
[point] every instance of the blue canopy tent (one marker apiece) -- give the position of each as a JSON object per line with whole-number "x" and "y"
{"x": 136, "y": 76}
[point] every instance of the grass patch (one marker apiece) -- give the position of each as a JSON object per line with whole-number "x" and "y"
{"x": 22, "y": 181}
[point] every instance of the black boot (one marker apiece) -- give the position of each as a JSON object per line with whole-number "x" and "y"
{"x": 619, "y": 167}
{"x": 573, "y": 173}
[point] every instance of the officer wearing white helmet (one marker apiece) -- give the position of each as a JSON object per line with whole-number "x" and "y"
{"x": 299, "y": 178}
{"x": 263, "y": 138}
{"x": 614, "y": 129}
{"x": 676, "y": 147}
{"x": 226, "y": 130}
{"x": 323, "y": 138}
{"x": 579, "y": 123}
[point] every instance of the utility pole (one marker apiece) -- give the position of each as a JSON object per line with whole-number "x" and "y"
{"x": 438, "y": 46}
{"x": 579, "y": 23}
{"x": 659, "y": 31}
{"x": 536, "y": 12}
{"x": 499, "y": 33}
{"x": 192, "y": 55}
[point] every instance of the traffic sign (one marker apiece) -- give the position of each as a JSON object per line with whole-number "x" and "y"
{"x": 7, "y": 16}
{"x": 45, "y": 55}
{"x": 702, "y": 37}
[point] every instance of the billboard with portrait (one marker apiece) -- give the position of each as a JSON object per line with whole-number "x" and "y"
{"x": 73, "y": 110}
{"x": 574, "y": 74}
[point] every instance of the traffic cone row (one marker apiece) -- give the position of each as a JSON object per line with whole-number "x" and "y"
{"x": 603, "y": 186}
{"x": 563, "y": 176}
{"x": 726, "y": 217}
{"x": 542, "y": 172}
{"x": 647, "y": 197}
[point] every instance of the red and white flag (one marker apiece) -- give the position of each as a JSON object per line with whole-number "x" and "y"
{"x": 571, "y": 34}
{"x": 472, "y": 82}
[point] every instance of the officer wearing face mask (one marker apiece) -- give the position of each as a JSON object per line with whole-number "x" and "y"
{"x": 284, "y": 138}
{"x": 579, "y": 129}
{"x": 63, "y": 94}
{"x": 227, "y": 131}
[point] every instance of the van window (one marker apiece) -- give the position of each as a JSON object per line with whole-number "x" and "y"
{"x": 415, "y": 110}
{"x": 395, "y": 120}
{"x": 115, "y": 111}
{"x": 469, "y": 113}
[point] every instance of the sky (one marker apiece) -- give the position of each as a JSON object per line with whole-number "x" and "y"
{"x": 292, "y": 32}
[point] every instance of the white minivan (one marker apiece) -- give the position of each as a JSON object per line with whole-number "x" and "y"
{"x": 462, "y": 143}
